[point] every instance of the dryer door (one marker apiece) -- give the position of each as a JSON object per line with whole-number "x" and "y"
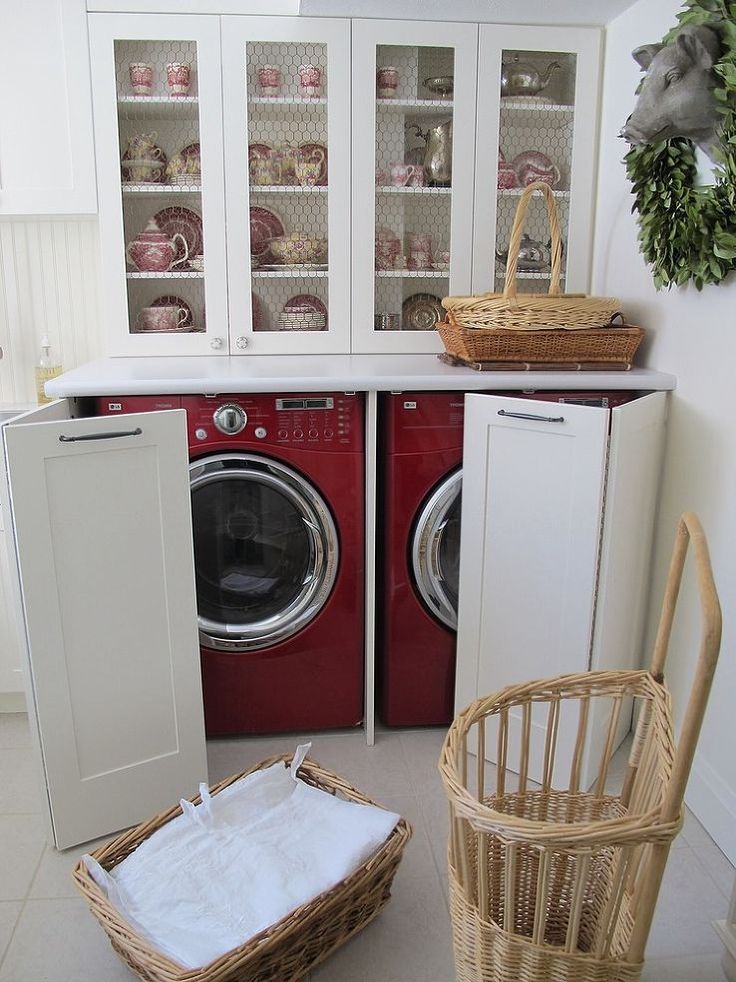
{"x": 265, "y": 551}
{"x": 435, "y": 549}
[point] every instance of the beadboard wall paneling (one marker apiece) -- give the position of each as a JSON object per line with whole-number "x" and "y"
{"x": 49, "y": 284}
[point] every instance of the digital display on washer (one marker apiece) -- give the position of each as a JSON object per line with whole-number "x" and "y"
{"x": 324, "y": 403}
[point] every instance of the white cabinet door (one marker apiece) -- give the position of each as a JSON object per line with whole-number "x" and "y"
{"x": 159, "y": 156}
{"x": 533, "y": 481}
{"x": 47, "y": 162}
{"x": 559, "y": 124}
{"x": 412, "y": 229}
{"x": 287, "y": 161}
{"x": 102, "y": 524}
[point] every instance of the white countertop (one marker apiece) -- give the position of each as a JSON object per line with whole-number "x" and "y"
{"x": 321, "y": 373}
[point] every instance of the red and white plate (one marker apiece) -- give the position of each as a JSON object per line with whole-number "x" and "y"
{"x": 305, "y": 303}
{"x": 264, "y": 226}
{"x": 312, "y": 151}
{"x": 187, "y": 223}
{"x": 169, "y": 300}
{"x": 259, "y": 150}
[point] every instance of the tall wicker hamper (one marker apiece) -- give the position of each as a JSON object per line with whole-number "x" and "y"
{"x": 284, "y": 952}
{"x": 551, "y": 885}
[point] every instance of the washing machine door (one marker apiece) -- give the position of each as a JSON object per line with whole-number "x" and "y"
{"x": 265, "y": 551}
{"x": 435, "y": 549}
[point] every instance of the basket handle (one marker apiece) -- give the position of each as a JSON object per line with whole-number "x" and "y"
{"x": 517, "y": 229}
{"x": 689, "y": 530}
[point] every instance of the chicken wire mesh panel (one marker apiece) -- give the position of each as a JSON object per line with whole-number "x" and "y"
{"x": 287, "y": 89}
{"x": 536, "y": 136}
{"x": 413, "y": 175}
{"x": 161, "y": 181}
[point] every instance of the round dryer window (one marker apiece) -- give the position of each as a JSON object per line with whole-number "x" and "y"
{"x": 265, "y": 551}
{"x": 435, "y": 549}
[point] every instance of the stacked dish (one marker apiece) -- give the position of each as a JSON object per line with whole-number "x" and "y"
{"x": 305, "y": 320}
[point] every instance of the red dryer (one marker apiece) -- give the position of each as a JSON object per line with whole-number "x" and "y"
{"x": 419, "y": 523}
{"x": 277, "y": 484}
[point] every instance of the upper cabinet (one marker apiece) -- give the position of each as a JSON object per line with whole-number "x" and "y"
{"x": 537, "y": 116}
{"x": 313, "y": 185}
{"x": 414, "y": 89}
{"x": 46, "y": 168}
{"x": 158, "y": 122}
{"x": 287, "y": 165}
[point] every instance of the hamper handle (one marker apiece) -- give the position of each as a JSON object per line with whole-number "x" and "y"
{"x": 517, "y": 229}
{"x": 689, "y": 530}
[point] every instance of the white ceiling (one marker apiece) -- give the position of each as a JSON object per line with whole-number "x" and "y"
{"x": 582, "y": 12}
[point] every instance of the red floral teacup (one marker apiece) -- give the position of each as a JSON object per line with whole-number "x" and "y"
{"x": 269, "y": 79}
{"x": 387, "y": 82}
{"x": 178, "y": 75}
{"x": 161, "y": 318}
{"x": 310, "y": 81}
{"x": 141, "y": 77}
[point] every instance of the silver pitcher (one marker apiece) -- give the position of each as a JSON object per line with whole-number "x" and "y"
{"x": 438, "y": 152}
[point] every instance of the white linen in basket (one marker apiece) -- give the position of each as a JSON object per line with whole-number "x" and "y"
{"x": 239, "y": 862}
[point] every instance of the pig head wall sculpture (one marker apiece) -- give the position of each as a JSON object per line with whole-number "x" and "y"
{"x": 676, "y": 97}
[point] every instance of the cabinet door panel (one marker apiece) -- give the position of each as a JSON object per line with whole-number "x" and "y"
{"x": 414, "y": 91}
{"x": 103, "y": 535}
{"x": 549, "y": 136}
{"x": 531, "y": 513}
{"x": 287, "y": 146}
{"x": 158, "y": 121}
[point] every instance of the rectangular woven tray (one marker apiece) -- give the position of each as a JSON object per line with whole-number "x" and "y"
{"x": 535, "y": 366}
{"x": 603, "y": 346}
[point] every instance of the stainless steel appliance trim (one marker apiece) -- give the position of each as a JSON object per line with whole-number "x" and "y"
{"x": 425, "y": 548}
{"x": 325, "y": 553}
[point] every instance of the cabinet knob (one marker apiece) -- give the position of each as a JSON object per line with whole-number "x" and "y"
{"x": 216, "y": 343}
{"x": 241, "y": 342}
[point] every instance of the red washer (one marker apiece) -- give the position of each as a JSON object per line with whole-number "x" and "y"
{"x": 278, "y": 515}
{"x": 419, "y": 524}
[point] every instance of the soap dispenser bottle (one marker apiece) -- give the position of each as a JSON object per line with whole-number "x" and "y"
{"x": 48, "y": 367}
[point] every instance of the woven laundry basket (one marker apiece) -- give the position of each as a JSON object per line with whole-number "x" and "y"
{"x": 553, "y": 884}
{"x": 288, "y": 950}
{"x": 514, "y": 311}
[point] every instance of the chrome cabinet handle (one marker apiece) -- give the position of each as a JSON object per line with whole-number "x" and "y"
{"x": 241, "y": 342}
{"x": 100, "y": 436}
{"x": 541, "y": 419}
{"x": 216, "y": 343}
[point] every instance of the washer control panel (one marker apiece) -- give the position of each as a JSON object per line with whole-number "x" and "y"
{"x": 330, "y": 421}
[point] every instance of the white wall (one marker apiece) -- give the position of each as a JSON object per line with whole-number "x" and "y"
{"x": 49, "y": 284}
{"x": 692, "y": 335}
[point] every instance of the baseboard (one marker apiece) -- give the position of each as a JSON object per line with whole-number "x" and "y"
{"x": 12, "y": 702}
{"x": 714, "y": 805}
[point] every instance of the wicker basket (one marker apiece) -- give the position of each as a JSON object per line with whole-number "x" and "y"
{"x": 616, "y": 345}
{"x": 512, "y": 311}
{"x": 285, "y": 952}
{"x": 549, "y": 884}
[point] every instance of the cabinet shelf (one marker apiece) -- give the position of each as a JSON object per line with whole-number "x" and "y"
{"x": 501, "y": 273}
{"x": 159, "y": 107}
{"x": 524, "y": 105}
{"x": 413, "y": 191}
{"x": 287, "y": 189}
{"x": 173, "y": 274}
{"x": 288, "y": 273}
{"x": 415, "y": 105}
{"x": 161, "y": 189}
{"x": 413, "y": 274}
{"x": 517, "y": 192}
{"x": 286, "y": 100}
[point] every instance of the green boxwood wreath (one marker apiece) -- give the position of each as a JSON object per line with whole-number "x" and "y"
{"x": 687, "y": 232}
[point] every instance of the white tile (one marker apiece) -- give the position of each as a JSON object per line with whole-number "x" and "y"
{"x": 9, "y": 913}
{"x": 707, "y": 968}
{"x": 53, "y": 877}
{"x": 693, "y": 832}
{"x": 717, "y": 866}
{"x": 22, "y": 841}
{"x": 19, "y": 788}
{"x": 689, "y": 901}
{"x": 14, "y": 731}
{"x": 60, "y": 941}
{"x": 422, "y": 750}
{"x": 376, "y": 771}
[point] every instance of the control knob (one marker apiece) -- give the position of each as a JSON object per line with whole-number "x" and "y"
{"x": 230, "y": 418}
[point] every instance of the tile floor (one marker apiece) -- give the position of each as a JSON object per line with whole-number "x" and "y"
{"x": 47, "y": 935}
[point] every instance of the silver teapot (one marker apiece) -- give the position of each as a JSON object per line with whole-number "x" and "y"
{"x": 534, "y": 257}
{"x": 437, "y": 160}
{"x": 519, "y": 79}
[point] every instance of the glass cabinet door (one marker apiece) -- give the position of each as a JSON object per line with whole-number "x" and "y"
{"x": 536, "y": 125}
{"x": 159, "y": 119}
{"x": 413, "y": 161}
{"x": 287, "y": 133}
